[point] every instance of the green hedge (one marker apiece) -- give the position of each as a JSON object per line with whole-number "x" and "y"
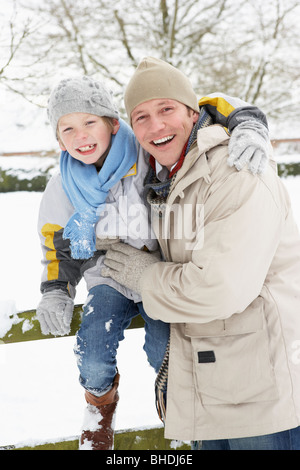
{"x": 146, "y": 439}
{"x": 288, "y": 169}
{"x": 22, "y": 181}
{"x": 19, "y": 182}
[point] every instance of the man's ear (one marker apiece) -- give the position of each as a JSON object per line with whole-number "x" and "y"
{"x": 195, "y": 116}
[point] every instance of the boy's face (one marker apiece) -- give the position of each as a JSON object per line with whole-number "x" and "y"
{"x": 162, "y": 127}
{"x": 85, "y": 136}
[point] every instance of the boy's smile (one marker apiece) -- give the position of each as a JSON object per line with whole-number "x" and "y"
{"x": 85, "y": 136}
{"x": 88, "y": 149}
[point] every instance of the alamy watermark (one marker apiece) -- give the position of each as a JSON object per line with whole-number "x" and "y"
{"x": 296, "y": 354}
{"x": 135, "y": 221}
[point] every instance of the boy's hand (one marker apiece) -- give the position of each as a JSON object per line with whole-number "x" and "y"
{"x": 55, "y": 312}
{"x": 126, "y": 264}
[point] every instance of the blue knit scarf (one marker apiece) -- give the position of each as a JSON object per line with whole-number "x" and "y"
{"x": 87, "y": 189}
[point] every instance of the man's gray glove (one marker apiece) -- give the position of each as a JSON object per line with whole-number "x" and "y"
{"x": 126, "y": 264}
{"x": 249, "y": 143}
{"x": 55, "y": 312}
{"x": 106, "y": 242}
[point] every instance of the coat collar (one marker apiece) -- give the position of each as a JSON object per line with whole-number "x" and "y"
{"x": 207, "y": 138}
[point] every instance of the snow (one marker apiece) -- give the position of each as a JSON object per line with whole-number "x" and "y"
{"x": 40, "y": 396}
{"x": 23, "y": 126}
{"x": 7, "y": 308}
{"x": 28, "y": 167}
{"x": 41, "y": 399}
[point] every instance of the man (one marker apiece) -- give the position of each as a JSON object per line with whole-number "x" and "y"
{"x": 229, "y": 284}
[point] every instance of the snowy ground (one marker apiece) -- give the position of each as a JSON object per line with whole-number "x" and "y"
{"x": 40, "y": 398}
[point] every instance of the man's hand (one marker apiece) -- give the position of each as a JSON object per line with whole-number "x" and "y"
{"x": 126, "y": 264}
{"x": 106, "y": 242}
{"x": 249, "y": 143}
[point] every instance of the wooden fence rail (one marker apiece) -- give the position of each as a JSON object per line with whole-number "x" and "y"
{"x": 26, "y": 327}
{"x": 277, "y": 142}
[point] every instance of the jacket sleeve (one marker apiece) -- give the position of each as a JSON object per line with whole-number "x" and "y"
{"x": 227, "y": 272}
{"x": 230, "y": 111}
{"x": 60, "y": 271}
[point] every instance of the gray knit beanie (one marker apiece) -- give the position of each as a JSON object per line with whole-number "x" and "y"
{"x": 155, "y": 78}
{"x": 80, "y": 95}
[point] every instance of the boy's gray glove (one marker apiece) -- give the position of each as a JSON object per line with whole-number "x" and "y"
{"x": 55, "y": 312}
{"x": 249, "y": 143}
{"x": 126, "y": 264}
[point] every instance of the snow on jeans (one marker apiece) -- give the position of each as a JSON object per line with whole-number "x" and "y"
{"x": 106, "y": 315}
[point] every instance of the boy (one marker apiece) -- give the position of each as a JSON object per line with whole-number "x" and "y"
{"x": 82, "y": 213}
{"x": 97, "y": 169}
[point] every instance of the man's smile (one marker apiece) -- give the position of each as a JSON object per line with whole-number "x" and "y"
{"x": 163, "y": 140}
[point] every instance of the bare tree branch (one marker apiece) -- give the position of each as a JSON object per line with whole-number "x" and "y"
{"x": 206, "y": 39}
{"x": 124, "y": 37}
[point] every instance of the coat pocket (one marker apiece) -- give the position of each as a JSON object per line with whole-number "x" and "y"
{"x": 231, "y": 360}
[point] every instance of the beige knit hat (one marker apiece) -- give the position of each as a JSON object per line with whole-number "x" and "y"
{"x": 154, "y": 79}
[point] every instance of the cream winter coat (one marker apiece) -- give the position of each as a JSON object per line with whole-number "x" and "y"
{"x": 230, "y": 287}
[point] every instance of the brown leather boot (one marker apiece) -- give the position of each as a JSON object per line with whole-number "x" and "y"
{"x": 98, "y": 432}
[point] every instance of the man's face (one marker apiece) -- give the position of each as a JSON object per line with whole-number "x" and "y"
{"x": 162, "y": 127}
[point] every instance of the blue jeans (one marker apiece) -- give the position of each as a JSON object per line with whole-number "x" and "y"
{"x": 106, "y": 315}
{"x": 284, "y": 440}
